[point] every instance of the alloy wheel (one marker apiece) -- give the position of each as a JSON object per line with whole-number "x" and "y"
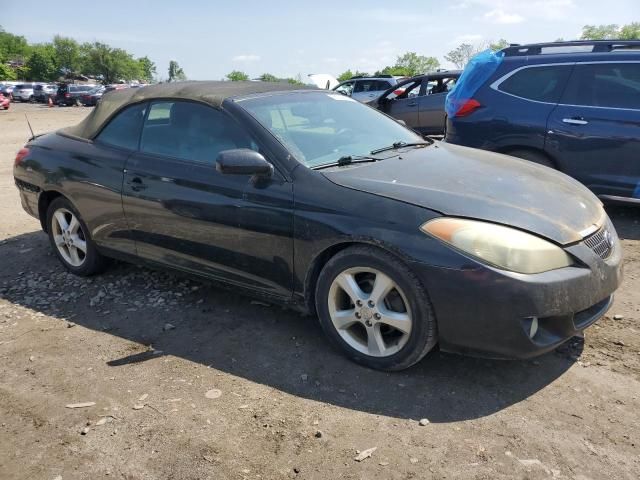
{"x": 370, "y": 311}
{"x": 69, "y": 237}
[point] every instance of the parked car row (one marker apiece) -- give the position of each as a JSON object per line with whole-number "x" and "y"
{"x": 417, "y": 101}
{"x": 63, "y": 94}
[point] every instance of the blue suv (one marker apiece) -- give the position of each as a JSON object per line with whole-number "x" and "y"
{"x": 572, "y": 106}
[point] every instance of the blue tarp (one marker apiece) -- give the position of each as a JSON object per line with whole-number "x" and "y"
{"x": 475, "y": 74}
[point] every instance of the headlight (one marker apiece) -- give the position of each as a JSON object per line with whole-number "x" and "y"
{"x": 502, "y": 247}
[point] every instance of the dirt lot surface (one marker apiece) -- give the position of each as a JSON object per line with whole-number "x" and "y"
{"x": 191, "y": 382}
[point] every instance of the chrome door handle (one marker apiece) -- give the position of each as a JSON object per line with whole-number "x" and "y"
{"x": 575, "y": 121}
{"x": 412, "y": 104}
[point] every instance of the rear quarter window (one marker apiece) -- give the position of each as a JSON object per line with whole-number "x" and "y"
{"x": 123, "y": 130}
{"x": 613, "y": 85}
{"x": 542, "y": 84}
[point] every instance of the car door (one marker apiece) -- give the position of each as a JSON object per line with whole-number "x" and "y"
{"x": 405, "y": 106}
{"x": 431, "y": 105}
{"x": 346, "y": 88}
{"x": 367, "y": 90}
{"x": 103, "y": 161}
{"x": 186, "y": 214}
{"x": 594, "y": 133}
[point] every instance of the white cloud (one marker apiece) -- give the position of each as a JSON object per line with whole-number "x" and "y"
{"x": 501, "y": 17}
{"x": 387, "y": 15}
{"x": 246, "y": 58}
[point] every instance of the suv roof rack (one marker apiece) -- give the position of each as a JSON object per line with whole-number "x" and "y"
{"x": 576, "y": 46}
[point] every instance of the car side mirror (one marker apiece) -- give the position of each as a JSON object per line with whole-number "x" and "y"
{"x": 243, "y": 161}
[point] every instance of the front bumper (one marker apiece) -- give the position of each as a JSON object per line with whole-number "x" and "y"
{"x": 489, "y": 312}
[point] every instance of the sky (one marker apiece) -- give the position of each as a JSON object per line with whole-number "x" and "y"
{"x": 210, "y": 38}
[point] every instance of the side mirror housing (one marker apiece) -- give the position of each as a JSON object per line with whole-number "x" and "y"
{"x": 243, "y": 161}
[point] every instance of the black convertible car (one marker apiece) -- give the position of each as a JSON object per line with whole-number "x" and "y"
{"x": 311, "y": 199}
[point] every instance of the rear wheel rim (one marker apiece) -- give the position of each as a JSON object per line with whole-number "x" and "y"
{"x": 69, "y": 237}
{"x": 370, "y": 311}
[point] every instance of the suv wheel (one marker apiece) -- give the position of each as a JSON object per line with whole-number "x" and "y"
{"x": 374, "y": 309}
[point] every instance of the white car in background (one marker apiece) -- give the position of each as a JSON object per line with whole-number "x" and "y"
{"x": 323, "y": 80}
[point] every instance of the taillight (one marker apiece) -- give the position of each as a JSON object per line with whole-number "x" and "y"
{"x": 468, "y": 108}
{"x": 20, "y": 156}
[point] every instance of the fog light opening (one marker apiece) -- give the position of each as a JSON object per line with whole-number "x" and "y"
{"x": 533, "y": 328}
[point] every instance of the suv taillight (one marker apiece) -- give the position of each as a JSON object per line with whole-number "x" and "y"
{"x": 468, "y": 108}
{"x": 20, "y": 156}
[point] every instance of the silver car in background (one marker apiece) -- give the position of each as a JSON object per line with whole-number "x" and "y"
{"x": 42, "y": 92}
{"x": 366, "y": 89}
{"x": 23, "y": 92}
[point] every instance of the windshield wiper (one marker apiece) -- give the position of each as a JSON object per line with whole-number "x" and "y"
{"x": 397, "y": 145}
{"x": 347, "y": 160}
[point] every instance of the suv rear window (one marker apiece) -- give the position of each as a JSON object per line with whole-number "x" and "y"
{"x": 543, "y": 84}
{"x": 614, "y": 85}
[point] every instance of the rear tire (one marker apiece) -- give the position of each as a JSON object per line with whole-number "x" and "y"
{"x": 533, "y": 156}
{"x": 374, "y": 309}
{"x": 70, "y": 239}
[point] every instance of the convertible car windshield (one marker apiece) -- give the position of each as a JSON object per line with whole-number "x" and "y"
{"x": 319, "y": 128}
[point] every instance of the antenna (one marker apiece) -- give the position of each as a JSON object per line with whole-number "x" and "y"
{"x": 30, "y": 129}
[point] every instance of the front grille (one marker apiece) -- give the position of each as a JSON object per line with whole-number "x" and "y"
{"x": 600, "y": 242}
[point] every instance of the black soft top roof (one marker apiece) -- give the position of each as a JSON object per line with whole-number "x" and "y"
{"x": 210, "y": 92}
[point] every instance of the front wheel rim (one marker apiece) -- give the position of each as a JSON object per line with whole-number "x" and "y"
{"x": 69, "y": 237}
{"x": 370, "y": 312}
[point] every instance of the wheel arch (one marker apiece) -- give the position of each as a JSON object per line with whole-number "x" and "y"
{"x": 318, "y": 262}
{"x": 44, "y": 200}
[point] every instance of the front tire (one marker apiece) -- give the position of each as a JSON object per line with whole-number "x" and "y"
{"x": 374, "y": 309}
{"x": 70, "y": 239}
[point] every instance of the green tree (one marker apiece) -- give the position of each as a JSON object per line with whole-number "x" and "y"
{"x": 395, "y": 71}
{"x": 237, "y": 76}
{"x": 147, "y": 69}
{"x": 599, "y": 32}
{"x": 349, "y": 74}
{"x": 499, "y": 45}
{"x": 67, "y": 56}
{"x": 416, "y": 64}
{"x": 41, "y": 64}
{"x": 461, "y": 55}
{"x": 112, "y": 64}
{"x": 346, "y": 75}
{"x": 294, "y": 81}
{"x": 7, "y": 73}
{"x": 268, "y": 77}
{"x": 12, "y": 47}
{"x": 630, "y": 32}
{"x": 610, "y": 32}
{"x": 176, "y": 74}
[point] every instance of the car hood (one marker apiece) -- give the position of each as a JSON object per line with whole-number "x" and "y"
{"x": 466, "y": 182}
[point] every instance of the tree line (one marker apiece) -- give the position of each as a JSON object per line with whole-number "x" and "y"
{"x": 64, "y": 58}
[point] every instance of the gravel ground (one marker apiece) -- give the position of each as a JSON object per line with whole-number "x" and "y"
{"x": 185, "y": 381}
